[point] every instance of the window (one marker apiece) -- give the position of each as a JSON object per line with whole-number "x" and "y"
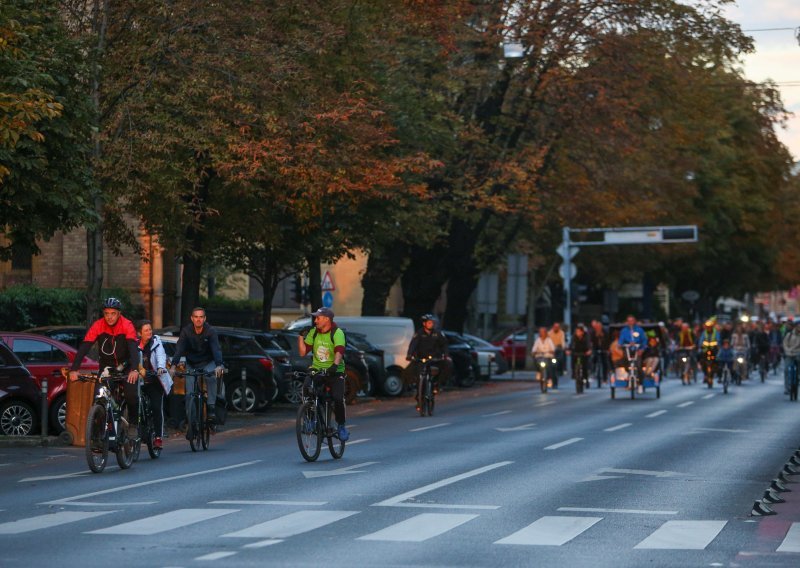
{"x": 33, "y": 351}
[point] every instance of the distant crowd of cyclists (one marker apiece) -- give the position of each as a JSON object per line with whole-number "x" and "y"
{"x": 676, "y": 347}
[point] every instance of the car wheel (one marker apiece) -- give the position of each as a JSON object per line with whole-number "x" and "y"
{"x": 58, "y": 414}
{"x": 17, "y": 418}
{"x": 393, "y": 384}
{"x": 294, "y": 392}
{"x": 252, "y": 397}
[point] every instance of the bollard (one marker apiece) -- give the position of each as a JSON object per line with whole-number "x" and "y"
{"x": 44, "y": 408}
{"x": 489, "y": 370}
{"x": 243, "y": 398}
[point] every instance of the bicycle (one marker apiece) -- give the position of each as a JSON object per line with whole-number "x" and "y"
{"x": 425, "y": 389}
{"x": 725, "y": 379}
{"x": 147, "y": 429}
{"x": 762, "y": 367}
{"x": 634, "y": 381}
{"x": 599, "y": 366}
{"x": 686, "y": 369}
{"x": 577, "y": 374}
{"x": 107, "y": 423}
{"x": 709, "y": 367}
{"x": 315, "y": 421}
{"x": 199, "y": 428}
{"x": 543, "y": 371}
{"x": 740, "y": 370}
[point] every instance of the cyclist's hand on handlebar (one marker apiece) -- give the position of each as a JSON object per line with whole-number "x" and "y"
{"x": 133, "y": 376}
{"x": 218, "y": 372}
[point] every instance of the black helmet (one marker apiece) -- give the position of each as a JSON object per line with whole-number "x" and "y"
{"x": 428, "y": 317}
{"x": 112, "y": 303}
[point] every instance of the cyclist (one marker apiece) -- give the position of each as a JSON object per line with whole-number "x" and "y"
{"x": 559, "y": 339}
{"x": 775, "y": 340}
{"x": 199, "y": 343}
{"x": 600, "y": 344}
{"x": 791, "y": 350}
{"x": 544, "y": 349}
{"x": 708, "y": 342}
{"x": 326, "y": 342}
{"x": 118, "y": 351}
{"x": 740, "y": 341}
{"x": 157, "y": 382}
{"x": 581, "y": 349}
{"x": 761, "y": 347}
{"x": 725, "y": 357}
{"x": 428, "y": 342}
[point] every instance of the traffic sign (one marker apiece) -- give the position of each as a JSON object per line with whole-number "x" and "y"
{"x": 327, "y": 299}
{"x": 567, "y": 270}
{"x": 327, "y": 282}
{"x": 563, "y": 250}
{"x": 691, "y": 296}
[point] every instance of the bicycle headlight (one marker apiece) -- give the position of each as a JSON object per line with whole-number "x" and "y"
{"x": 740, "y": 360}
{"x": 554, "y": 361}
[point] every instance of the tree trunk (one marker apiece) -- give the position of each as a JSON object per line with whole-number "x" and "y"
{"x": 314, "y": 282}
{"x": 383, "y": 270}
{"x": 422, "y": 281}
{"x": 190, "y": 293}
{"x": 94, "y": 265}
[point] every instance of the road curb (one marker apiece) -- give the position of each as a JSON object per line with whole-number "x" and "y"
{"x": 30, "y": 441}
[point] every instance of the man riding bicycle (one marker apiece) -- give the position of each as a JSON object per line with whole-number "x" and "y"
{"x": 326, "y": 342}
{"x": 430, "y": 344}
{"x": 199, "y": 343}
{"x": 791, "y": 350}
{"x": 544, "y": 351}
{"x": 118, "y": 351}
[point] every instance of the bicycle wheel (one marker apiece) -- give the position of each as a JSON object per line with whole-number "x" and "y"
{"x": 205, "y": 427}
{"x": 579, "y": 379}
{"x": 335, "y": 445}
{"x": 422, "y": 395}
{"x": 431, "y": 399}
{"x": 725, "y": 380}
{"x": 126, "y": 447}
{"x": 195, "y": 425}
{"x": 149, "y": 434}
{"x": 309, "y": 439}
{"x": 97, "y": 439}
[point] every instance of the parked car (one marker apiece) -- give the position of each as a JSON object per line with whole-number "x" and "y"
{"x": 72, "y": 335}
{"x": 388, "y": 333}
{"x": 19, "y": 397}
{"x": 356, "y": 370}
{"x": 465, "y": 359}
{"x": 44, "y": 358}
{"x": 514, "y": 347}
{"x": 490, "y": 357}
{"x": 373, "y": 357}
{"x": 240, "y": 352}
{"x": 282, "y": 366}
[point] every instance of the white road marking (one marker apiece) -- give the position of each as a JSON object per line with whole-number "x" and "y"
{"x": 340, "y": 471}
{"x": 623, "y": 511}
{"x": 728, "y": 430}
{"x": 419, "y": 528}
{"x": 48, "y": 521}
{"x": 263, "y": 543}
{"x": 564, "y": 443}
{"x": 603, "y": 474}
{"x": 619, "y": 427}
{"x": 325, "y": 447}
{"x": 215, "y": 556}
{"x": 791, "y": 543}
{"x": 63, "y": 476}
{"x": 430, "y": 427}
{"x": 397, "y": 501}
{"x": 685, "y": 404}
{"x": 292, "y": 524}
{"x": 497, "y": 413}
{"x": 683, "y": 535}
{"x": 288, "y": 503}
{"x": 656, "y": 413}
{"x": 551, "y": 531}
{"x": 70, "y": 500}
{"x": 712, "y": 395}
{"x": 548, "y": 403}
{"x": 165, "y": 522}
{"x": 516, "y": 428}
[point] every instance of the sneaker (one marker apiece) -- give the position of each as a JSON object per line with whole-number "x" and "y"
{"x": 158, "y": 443}
{"x": 342, "y": 433}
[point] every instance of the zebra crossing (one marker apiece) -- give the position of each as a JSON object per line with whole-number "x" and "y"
{"x": 549, "y": 530}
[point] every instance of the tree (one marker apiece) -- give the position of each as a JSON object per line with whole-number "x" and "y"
{"x": 44, "y": 174}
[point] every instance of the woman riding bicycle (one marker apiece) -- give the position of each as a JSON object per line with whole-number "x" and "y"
{"x": 157, "y": 382}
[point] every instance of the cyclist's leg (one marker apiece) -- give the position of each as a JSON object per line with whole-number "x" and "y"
{"x": 191, "y": 384}
{"x": 132, "y": 403}
{"x": 155, "y": 392}
{"x": 211, "y": 389}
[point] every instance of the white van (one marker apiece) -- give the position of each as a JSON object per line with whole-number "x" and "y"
{"x": 388, "y": 333}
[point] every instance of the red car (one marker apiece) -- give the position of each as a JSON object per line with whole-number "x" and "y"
{"x": 44, "y": 358}
{"x": 514, "y": 347}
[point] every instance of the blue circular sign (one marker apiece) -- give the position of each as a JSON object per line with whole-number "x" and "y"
{"x": 327, "y": 299}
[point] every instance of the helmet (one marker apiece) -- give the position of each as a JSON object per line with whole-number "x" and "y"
{"x": 428, "y": 317}
{"x": 112, "y": 303}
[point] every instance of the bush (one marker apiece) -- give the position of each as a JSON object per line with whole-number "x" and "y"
{"x": 22, "y": 307}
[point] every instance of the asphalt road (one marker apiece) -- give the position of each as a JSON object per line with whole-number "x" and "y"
{"x": 501, "y": 476}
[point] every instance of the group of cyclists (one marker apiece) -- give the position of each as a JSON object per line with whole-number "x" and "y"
{"x": 710, "y": 348}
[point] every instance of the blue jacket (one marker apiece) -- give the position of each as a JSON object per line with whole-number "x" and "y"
{"x": 725, "y": 355}
{"x": 633, "y": 335}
